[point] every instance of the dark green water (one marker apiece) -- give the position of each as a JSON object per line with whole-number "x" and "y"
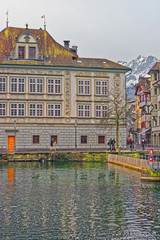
{"x": 76, "y": 201}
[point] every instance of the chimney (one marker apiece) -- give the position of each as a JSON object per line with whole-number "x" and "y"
{"x": 66, "y": 44}
{"x": 74, "y": 49}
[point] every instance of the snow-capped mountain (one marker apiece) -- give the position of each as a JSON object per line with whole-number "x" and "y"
{"x": 140, "y": 67}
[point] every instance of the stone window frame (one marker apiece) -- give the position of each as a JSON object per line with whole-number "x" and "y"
{"x": 31, "y": 52}
{"x": 84, "y": 87}
{"x": 86, "y": 139}
{"x": 2, "y": 84}
{"x": 24, "y": 49}
{"x": 39, "y": 139}
{"x": 36, "y": 85}
{"x": 54, "y": 109}
{"x": 17, "y": 109}
{"x": 36, "y": 110}
{"x": 104, "y": 139}
{"x": 101, "y": 87}
{"x": 57, "y": 138}
{"x": 82, "y": 110}
{"x": 54, "y": 86}
{"x": 3, "y": 109}
{"x": 17, "y": 85}
{"x": 100, "y": 111}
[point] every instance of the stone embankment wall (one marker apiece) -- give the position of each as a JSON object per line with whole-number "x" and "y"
{"x": 54, "y": 156}
{"x": 135, "y": 163}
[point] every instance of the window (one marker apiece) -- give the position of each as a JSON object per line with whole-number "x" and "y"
{"x": 54, "y": 138}
{"x": 21, "y": 52}
{"x": 2, "y": 85}
{"x": 2, "y": 109}
{"x": 39, "y": 110}
{"x": 54, "y": 110}
{"x": 155, "y": 106}
{"x": 155, "y": 91}
{"x": 54, "y": 86}
{"x": 84, "y": 111}
{"x": 36, "y": 85}
{"x": 32, "y": 52}
{"x": 83, "y": 87}
{"x": 101, "y": 139}
{"x": 84, "y": 139}
{"x": 17, "y": 85}
{"x": 101, "y": 88}
{"x": 17, "y": 109}
{"x": 39, "y": 85}
{"x": 32, "y": 110}
{"x": 155, "y": 139}
{"x": 21, "y": 109}
{"x": 101, "y": 111}
{"x": 148, "y": 97}
{"x": 155, "y": 76}
{"x": 36, "y": 110}
{"x": 35, "y": 139}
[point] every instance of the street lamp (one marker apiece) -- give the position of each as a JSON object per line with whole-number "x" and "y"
{"x": 75, "y": 125}
{"x": 14, "y": 135}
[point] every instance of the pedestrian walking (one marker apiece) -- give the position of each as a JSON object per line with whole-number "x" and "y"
{"x": 110, "y": 144}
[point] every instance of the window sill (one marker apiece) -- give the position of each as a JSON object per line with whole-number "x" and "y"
{"x": 84, "y": 95}
{"x": 100, "y": 95}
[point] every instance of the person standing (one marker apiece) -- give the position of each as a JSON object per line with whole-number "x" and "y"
{"x": 110, "y": 144}
{"x": 51, "y": 143}
{"x": 114, "y": 144}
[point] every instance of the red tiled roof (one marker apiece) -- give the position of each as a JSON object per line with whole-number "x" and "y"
{"x": 7, "y": 44}
{"x": 141, "y": 85}
{"x": 58, "y": 55}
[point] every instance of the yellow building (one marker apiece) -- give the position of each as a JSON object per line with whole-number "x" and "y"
{"x": 48, "y": 92}
{"x": 155, "y": 99}
{"x": 143, "y": 98}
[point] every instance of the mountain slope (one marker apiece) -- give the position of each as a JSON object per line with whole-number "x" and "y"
{"x": 140, "y": 67}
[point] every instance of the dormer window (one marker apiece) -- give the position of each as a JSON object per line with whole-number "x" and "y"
{"x": 32, "y": 52}
{"x": 21, "y": 52}
{"x": 26, "y": 48}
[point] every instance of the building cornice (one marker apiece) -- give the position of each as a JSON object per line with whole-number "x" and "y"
{"x": 62, "y": 68}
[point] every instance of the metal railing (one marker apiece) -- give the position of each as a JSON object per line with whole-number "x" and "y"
{"x": 155, "y": 164}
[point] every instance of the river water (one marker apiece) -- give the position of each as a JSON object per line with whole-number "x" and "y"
{"x": 61, "y": 201}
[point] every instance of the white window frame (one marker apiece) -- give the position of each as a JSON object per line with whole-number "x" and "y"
{"x": 101, "y": 111}
{"x": 17, "y": 85}
{"x": 83, "y": 87}
{"x": 36, "y": 85}
{"x": 2, "y": 84}
{"x": 101, "y": 87}
{"x": 54, "y": 110}
{"x": 54, "y": 86}
{"x": 36, "y": 109}
{"x": 83, "y": 111}
{"x": 17, "y": 109}
{"x": 2, "y": 109}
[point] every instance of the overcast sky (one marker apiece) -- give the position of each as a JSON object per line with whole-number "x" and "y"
{"x": 112, "y": 29}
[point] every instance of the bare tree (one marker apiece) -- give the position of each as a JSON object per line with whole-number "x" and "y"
{"x": 117, "y": 111}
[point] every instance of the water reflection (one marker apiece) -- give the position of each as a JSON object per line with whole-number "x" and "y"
{"x": 76, "y": 201}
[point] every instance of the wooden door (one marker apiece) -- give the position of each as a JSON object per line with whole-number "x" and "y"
{"x": 11, "y": 142}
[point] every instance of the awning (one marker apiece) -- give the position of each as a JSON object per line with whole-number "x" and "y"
{"x": 146, "y": 130}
